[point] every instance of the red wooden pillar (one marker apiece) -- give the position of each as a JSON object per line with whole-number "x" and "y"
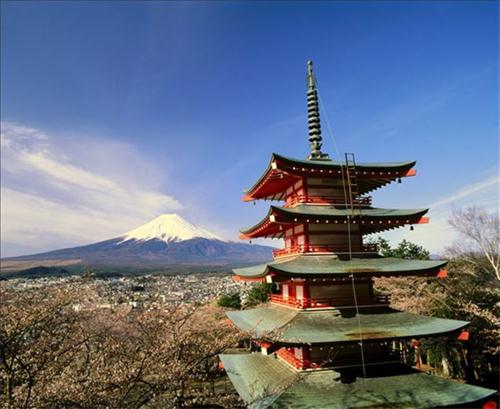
{"x": 306, "y": 293}
{"x": 306, "y": 355}
{"x": 306, "y": 236}
{"x": 305, "y": 190}
{"x": 418, "y": 356}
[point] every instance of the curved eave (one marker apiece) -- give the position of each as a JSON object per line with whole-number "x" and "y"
{"x": 282, "y": 172}
{"x": 271, "y": 183}
{"x": 330, "y": 266}
{"x": 264, "y": 381}
{"x": 372, "y": 220}
{"x": 260, "y": 229}
{"x": 318, "y": 164}
{"x": 290, "y": 327}
{"x": 324, "y": 212}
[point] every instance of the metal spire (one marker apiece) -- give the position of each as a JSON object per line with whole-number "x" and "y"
{"x": 315, "y": 140}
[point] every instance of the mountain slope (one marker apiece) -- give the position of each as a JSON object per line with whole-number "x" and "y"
{"x": 168, "y": 228}
{"x": 166, "y": 240}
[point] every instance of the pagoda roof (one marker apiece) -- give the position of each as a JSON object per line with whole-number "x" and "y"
{"x": 270, "y": 225}
{"x": 331, "y": 265}
{"x": 282, "y": 172}
{"x": 267, "y": 382}
{"x": 294, "y": 326}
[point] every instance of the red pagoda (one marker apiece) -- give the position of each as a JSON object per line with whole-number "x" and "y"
{"x": 327, "y": 338}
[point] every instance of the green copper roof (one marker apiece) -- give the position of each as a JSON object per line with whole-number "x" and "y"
{"x": 266, "y": 382}
{"x": 338, "y": 164}
{"x": 258, "y": 378}
{"x": 333, "y": 213}
{"x": 311, "y": 265}
{"x": 293, "y": 326}
{"x": 366, "y": 184}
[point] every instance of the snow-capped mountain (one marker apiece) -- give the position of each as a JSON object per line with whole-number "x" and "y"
{"x": 164, "y": 242}
{"x": 168, "y": 228}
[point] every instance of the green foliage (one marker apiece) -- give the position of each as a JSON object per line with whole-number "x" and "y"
{"x": 258, "y": 293}
{"x": 470, "y": 293}
{"x": 405, "y": 249}
{"x": 448, "y": 349}
{"x": 230, "y": 301}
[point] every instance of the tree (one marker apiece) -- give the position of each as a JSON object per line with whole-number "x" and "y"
{"x": 480, "y": 239}
{"x": 258, "y": 294}
{"x": 35, "y": 328}
{"x": 405, "y": 249}
{"x": 407, "y": 293}
{"x": 230, "y": 301}
{"x": 59, "y": 348}
{"x": 471, "y": 292}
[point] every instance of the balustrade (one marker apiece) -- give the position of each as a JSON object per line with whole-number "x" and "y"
{"x": 336, "y": 302}
{"x": 327, "y": 200}
{"x": 301, "y": 364}
{"x": 301, "y": 248}
{"x": 297, "y": 363}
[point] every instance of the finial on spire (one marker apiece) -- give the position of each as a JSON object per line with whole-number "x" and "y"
{"x": 315, "y": 139}
{"x": 310, "y": 76}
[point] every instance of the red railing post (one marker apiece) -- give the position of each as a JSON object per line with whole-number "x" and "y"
{"x": 295, "y": 199}
{"x": 300, "y": 248}
{"x": 379, "y": 299}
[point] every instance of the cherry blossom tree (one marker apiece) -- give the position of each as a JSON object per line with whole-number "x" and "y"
{"x": 60, "y": 348}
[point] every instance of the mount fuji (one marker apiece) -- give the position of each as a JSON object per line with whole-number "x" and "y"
{"x": 169, "y": 228}
{"x": 164, "y": 242}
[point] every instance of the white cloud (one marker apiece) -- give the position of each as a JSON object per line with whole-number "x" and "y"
{"x": 437, "y": 235}
{"x": 59, "y": 191}
{"x": 468, "y": 191}
{"x": 13, "y": 132}
{"x": 66, "y": 173}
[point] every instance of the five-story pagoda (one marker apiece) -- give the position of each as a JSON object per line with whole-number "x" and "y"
{"x": 327, "y": 339}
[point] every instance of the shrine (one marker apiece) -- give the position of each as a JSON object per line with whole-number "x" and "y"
{"x": 327, "y": 338}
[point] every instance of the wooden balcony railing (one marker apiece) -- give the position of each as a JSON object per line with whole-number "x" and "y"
{"x": 296, "y": 199}
{"x": 301, "y": 248}
{"x": 288, "y": 356}
{"x": 337, "y": 302}
{"x": 297, "y": 363}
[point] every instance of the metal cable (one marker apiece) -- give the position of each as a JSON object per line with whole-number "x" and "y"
{"x": 330, "y": 132}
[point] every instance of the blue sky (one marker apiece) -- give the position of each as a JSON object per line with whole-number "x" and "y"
{"x": 115, "y": 112}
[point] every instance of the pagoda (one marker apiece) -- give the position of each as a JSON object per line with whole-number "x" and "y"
{"x": 327, "y": 338}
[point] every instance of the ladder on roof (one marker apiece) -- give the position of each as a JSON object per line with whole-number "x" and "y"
{"x": 353, "y": 190}
{"x": 352, "y": 180}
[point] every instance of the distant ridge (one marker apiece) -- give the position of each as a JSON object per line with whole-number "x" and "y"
{"x": 166, "y": 241}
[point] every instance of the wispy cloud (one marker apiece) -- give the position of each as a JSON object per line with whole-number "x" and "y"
{"x": 468, "y": 191}
{"x": 437, "y": 235}
{"x": 62, "y": 190}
